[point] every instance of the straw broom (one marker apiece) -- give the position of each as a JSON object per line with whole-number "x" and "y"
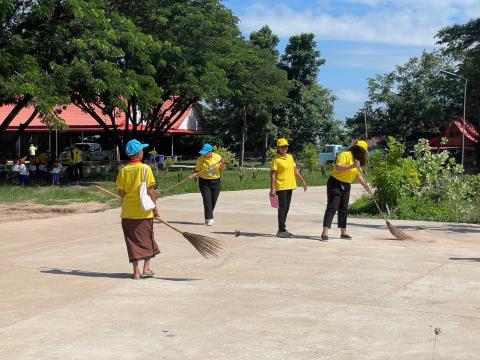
{"x": 205, "y": 245}
{"x": 399, "y": 234}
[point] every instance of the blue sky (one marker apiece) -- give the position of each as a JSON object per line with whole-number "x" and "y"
{"x": 358, "y": 38}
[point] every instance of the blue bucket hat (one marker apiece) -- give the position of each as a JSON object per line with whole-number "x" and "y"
{"x": 134, "y": 147}
{"x": 206, "y": 149}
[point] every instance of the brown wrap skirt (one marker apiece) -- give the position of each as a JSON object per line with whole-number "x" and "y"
{"x": 139, "y": 239}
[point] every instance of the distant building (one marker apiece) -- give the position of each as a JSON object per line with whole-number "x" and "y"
{"x": 82, "y": 125}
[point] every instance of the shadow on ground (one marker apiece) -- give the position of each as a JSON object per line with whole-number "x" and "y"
{"x": 95, "y": 274}
{"x": 465, "y": 259}
{"x": 186, "y": 223}
{"x": 462, "y": 229}
{"x": 252, "y": 234}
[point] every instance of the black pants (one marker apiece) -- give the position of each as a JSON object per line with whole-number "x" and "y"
{"x": 338, "y": 195}
{"x": 284, "y": 200}
{"x": 76, "y": 171}
{"x": 210, "y": 189}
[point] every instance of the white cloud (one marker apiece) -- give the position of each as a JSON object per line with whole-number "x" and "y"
{"x": 351, "y": 96}
{"x": 407, "y": 22}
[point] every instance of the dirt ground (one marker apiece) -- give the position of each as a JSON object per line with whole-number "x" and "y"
{"x": 28, "y": 211}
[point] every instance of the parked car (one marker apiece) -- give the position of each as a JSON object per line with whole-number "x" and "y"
{"x": 91, "y": 152}
{"x": 330, "y": 152}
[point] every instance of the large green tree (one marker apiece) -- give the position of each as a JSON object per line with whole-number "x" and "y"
{"x": 308, "y": 116}
{"x": 463, "y": 43}
{"x": 256, "y": 87}
{"x": 414, "y": 101}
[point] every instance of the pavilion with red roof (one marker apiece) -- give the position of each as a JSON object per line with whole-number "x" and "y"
{"x": 81, "y": 125}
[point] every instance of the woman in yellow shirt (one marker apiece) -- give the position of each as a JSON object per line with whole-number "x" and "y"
{"x": 209, "y": 168}
{"x": 284, "y": 173}
{"x": 347, "y": 168}
{"x": 137, "y": 224}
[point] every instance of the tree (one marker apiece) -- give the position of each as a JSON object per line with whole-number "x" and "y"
{"x": 308, "y": 116}
{"x": 197, "y": 38}
{"x": 463, "y": 43}
{"x": 414, "y": 101}
{"x": 256, "y": 87}
{"x": 23, "y": 81}
{"x": 266, "y": 40}
{"x": 301, "y": 60}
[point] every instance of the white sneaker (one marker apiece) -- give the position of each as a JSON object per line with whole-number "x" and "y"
{"x": 209, "y": 222}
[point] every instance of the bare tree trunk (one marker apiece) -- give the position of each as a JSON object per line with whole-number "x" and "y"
{"x": 244, "y": 136}
{"x": 264, "y": 148}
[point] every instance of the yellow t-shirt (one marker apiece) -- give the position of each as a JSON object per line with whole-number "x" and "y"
{"x": 285, "y": 168}
{"x": 129, "y": 180}
{"x": 203, "y": 163}
{"x": 346, "y": 159}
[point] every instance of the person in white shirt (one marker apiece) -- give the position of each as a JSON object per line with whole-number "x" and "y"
{"x": 23, "y": 173}
{"x": 56, "y": 171}
{"x": 15, "y": 171}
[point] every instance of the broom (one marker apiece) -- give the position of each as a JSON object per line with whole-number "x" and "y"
{"x": 162, "y": 192}
{"x": 205, "y": 245}
{"x": 399, "y": 234}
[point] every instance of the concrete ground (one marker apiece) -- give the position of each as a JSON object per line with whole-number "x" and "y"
{"x": 66, "y": 291}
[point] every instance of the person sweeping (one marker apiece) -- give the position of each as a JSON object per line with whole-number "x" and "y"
{"x": 347, "y": 168}
{"x": 209, "y": 168}
{"x": 283, "y": 175}
{"x": 137, "y": 224}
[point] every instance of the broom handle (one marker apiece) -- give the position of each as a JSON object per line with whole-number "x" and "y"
{"x": 180, "y": 182}
{"x": 169, "y": 225}
{"x": 373, "y": 197}
{"x": 159, "y": 219}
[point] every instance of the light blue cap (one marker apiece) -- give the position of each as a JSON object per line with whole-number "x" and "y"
{"x": 206, "y": 149}
{"x": 134, "y": 147}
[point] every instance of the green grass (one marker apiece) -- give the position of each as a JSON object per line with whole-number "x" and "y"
{"x": 65, "y": 194}
{"x": 230, "y": 181}
{"x": 47, "y": 195}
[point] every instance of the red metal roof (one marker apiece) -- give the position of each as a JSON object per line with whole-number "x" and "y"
{"x": 78, "y": 120}
{"x": 454, "y": 136}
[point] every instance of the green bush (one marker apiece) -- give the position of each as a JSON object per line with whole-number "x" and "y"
{"x": 427, "y": 187}
{"x": 363, "y": 205}
{"x": 227, "y": 156}
{"x": 271, "y": 153}
{"x": 309, "y": 157}
{"x": 169, "y": 162}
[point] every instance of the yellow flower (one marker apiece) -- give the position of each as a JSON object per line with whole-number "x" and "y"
{"x": 413, "y": 174}
{"x": 417, "y": 181}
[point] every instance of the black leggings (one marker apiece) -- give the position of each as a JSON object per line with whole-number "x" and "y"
{"x": 284, "y": 199}
{"x": 210, "y": 189}
{"x": 338, "y": 195}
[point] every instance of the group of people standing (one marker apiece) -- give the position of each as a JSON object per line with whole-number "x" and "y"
{"x": 137, "y": 223}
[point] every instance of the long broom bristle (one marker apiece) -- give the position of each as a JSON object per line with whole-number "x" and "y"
{"x": 399, "y": 234}
{"x": 205, "y": 245}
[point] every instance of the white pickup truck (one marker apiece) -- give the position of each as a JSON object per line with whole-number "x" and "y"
{"x": 91, "y": 152}
{"x": 329, "y": 153}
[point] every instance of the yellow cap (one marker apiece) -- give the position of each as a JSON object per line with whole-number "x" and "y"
{"x": 282, "y": 142}
{"x": 363, "y": 144}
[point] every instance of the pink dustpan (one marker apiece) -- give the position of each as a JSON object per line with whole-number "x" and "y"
{"x": 274, "y": 201}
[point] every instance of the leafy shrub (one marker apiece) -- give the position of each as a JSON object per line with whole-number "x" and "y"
{"x": 392, "y": 175}
{"x": 427, "y": 187}
{"x": 227, "y": 156}
{"x": 363, "y": 205}
{"x": 309, "y": 157}
{"x": 169, "y": 162}
{"x": 271, "y": 153}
